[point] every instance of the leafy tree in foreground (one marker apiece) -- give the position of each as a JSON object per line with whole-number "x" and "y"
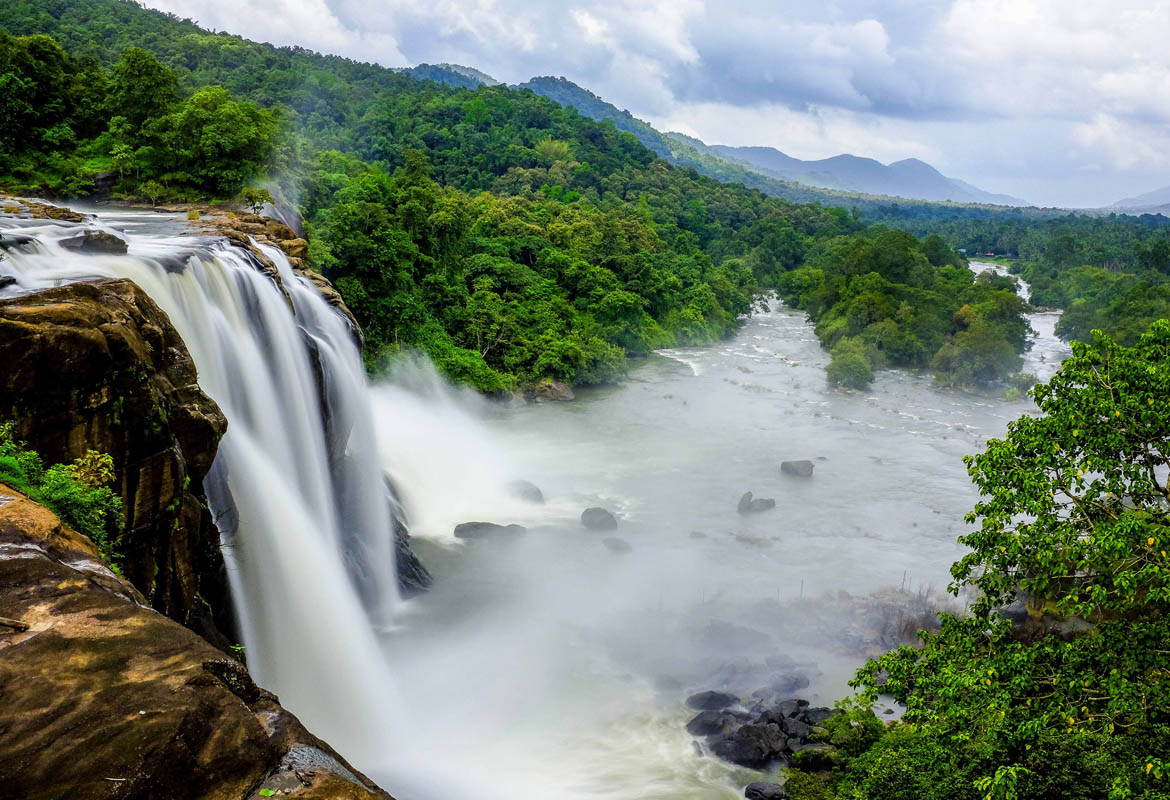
{"x": 1073, "y": 701}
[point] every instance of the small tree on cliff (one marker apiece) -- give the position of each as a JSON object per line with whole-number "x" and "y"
{"x": 255, "y": 199}
{"x": 1075, "y": 520}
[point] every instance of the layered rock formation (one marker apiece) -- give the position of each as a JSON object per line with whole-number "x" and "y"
{"x": 105, "y": 698}
{"x": 98, "y": 366}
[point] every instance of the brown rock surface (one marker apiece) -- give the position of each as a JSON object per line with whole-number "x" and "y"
{"x": 97, "y": 365}
{"x": 104, "y": 698}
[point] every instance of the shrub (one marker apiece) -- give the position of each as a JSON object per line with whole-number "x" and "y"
{"x": 78, "y": 493}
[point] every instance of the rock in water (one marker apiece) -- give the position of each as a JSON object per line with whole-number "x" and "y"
{"x": 754, "y": 746}
{"x": 712, "y": 701}
{"x": 557, "y": 391}
{"x": 598, "y": 519}
{"x": 752, "y": 505}
{"x": 526, "y": 491}
{"x": 488, "y": 530}
{"x": 711, "y": 723}
{"x": 797, "y": 469}
{"x": 99, "y": 242}
{"x": 617, "y": 545}
{"x": 102, "y": 687}
{"x": 765, "y": 791}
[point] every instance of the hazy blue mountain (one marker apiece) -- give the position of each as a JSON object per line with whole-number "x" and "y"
{"x": 910, "y": 178}
{"x": 1154, "y": 199}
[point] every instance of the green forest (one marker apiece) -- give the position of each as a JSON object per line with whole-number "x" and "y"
{"x": 516, "y": 241}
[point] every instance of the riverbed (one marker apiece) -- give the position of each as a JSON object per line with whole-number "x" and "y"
{"x": 557, "y": 665}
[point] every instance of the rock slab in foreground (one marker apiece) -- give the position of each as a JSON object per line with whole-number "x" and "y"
{"x": 105, "y": 698}
{"x": 765, "y": 791}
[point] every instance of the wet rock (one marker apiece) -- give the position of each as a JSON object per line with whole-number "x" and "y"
{"x": 814, "y": 756}
{"x": 6, "y": 281}
{"x": 101, "y": 687}
{"x": 751, "y": 505}
{"x": 798, "y": 469}
{"x": 712, "y": 701}
{"x": 526, "y": 491}
{"x": 131, "y": 391}
{"x": 616, "y": 545}
{"x": 488, "y": 530}
{"x": 796, "y": 728}
{"x": 11, "y": 240}
{"x": 712, "y": 723}
{"x": 551, "y": 391}
{"x": 598, "y": 519}
{"x": 765, "y": 791}
{"x": 818, "y": 714}
{"x": 751, "y": 745}
{"x": 96, "y": 242}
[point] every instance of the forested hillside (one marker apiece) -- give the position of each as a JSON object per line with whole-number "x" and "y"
{"x": 512, "y": 239}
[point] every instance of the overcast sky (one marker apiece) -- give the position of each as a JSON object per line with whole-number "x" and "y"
{"x": 1063, "y": 102}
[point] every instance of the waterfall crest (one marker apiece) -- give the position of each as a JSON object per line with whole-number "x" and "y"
{"x": 297, "y": 485}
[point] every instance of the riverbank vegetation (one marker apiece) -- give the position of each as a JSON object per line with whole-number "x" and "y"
{"x": 1055, "y": 685}
{"x": 78, "y": 493}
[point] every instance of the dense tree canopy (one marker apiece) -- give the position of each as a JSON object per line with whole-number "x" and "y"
{"x": 1056, "y": 684}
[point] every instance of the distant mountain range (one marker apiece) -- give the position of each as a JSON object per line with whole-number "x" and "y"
{"x": 1157, "y": 201}
{"x": 765, "y": 168}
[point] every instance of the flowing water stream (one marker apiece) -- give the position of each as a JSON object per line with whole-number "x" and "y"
{"x": 554, "y": 665}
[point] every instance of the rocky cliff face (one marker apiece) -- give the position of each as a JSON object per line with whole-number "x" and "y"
{"x": 104, "y": 698}
{"x": 97, "y": 365}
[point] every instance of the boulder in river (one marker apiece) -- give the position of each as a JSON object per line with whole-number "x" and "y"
{"x": 617, "y": 545}
{"x": 6, "y": 281}
{"x": 753, "y": 505}
{"x": 797, "y": 469}
{"x": 98, "y": 242}
{"x": 712, "y": 723}
{"x": 712, "y": 701}
{"x": 556, "y": 391}
{"x": 765, "y": 791}
{"x": 598, "y": 519}
{"x": 754, "y": 746}
{"x": 527, "y": 491}
{"x": 488, "y": 530}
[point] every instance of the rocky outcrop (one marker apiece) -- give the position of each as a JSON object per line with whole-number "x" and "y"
{"x": 98, "y": 366}
{"x": 550, "y": 390}
{"x": 244, "y": 230}
{"x": 770, "y": 731}
{"x": 105, "y": 698}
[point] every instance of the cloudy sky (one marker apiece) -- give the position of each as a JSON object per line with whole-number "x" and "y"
{"x": 1057, "y": 101}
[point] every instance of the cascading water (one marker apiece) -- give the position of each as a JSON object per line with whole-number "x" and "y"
{"x": 297, "y": 485}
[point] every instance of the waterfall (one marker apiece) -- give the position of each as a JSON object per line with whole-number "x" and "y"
{"x": 297, "y": 486}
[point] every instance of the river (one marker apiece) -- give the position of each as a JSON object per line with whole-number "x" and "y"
{"x": 555, "y": 667}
